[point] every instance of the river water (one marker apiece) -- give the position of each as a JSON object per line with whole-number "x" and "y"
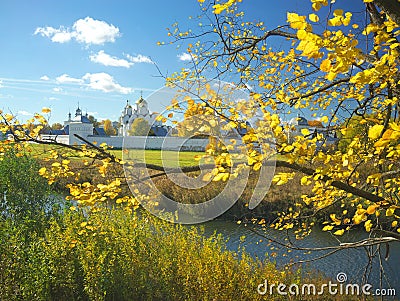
{"x": 352, "y": 262}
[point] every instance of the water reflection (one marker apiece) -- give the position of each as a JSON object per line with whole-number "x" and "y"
{"x": 350, "y": 261}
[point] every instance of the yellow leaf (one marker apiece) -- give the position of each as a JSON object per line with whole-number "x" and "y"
{"x": 331, "y": 75}
{"x": 325, "y": 119}
{"x": 305, "y": 132}
{"x": 256, "y": 96}
{"x": 302, "y": 34}
{"x": 375, "y": 131}
{"x": 281, "y": 182}
{"x": 220, "y": 176}
{"x": 327, "y": 228}
{"x": 372, "y": 208}
{"x": 257, "y": 166}
{"x": 339, "y": 232}
{"x": 296, "y": 21}
{"x": 390, "y": 211}
{"x": 394, "y": 223}
{"x": 326, "y": 65}
{"x": 304, "y": 180}
{"x": 313, "y": 17}
{"x": 46, "y": 110}
{"x": 368, "y": 225}
{"x": 338, "y": 12}
{"x": 42, "y": 171}
{"x": 395, "y": 126}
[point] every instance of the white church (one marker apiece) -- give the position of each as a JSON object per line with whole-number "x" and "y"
{"x": 81, "y": 126}
{"x": 141, "y": 110}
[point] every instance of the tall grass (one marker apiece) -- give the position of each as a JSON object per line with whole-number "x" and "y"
{"x": 115, "y": 255}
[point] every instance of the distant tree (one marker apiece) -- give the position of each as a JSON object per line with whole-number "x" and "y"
{"x": 56, "y": 126}
{"x": 140, "y": 127}
{"x": 45, "y": 128}
{"x": 108, "y": 128}
{"x": 94, "y": 121}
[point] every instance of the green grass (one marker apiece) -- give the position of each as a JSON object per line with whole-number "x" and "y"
{"x": 165, "y": 158}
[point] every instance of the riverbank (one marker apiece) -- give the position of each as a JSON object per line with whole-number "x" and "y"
{"x": 115, "y": 254}
{"x": 276, "y": 199}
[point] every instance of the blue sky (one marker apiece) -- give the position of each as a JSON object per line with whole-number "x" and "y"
{"x": 98, "y": 53}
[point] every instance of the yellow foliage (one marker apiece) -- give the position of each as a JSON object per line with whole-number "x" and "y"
{"x": 313, "y": 17}
{"x": 368, "y": 225}
{"x": 375, "y": 131}
{"x": 339, "y": 232}
{"x": 296, "y": 21}
{"x": 372, "y": 208}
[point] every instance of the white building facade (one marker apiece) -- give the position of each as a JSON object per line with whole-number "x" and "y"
{"x": 141, "y": 110}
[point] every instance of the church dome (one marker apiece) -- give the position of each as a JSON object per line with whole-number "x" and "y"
{"x": 81, "y": 118}
{"x": 78, "y": 112}
{"x": 141, "y": 101}
{"x": 128, "y": 105}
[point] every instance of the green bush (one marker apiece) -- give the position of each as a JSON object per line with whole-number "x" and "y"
{"x": 26, "y": 200}
{"x": 116, "y": 255}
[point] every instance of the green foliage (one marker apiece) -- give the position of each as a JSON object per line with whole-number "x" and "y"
{"x": 25, "y": 198}
{"x": 140, "y": 127}
{"x": 56, "y": 126}
{"x": 116, "y": 255}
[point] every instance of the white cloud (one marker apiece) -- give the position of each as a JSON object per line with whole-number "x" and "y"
{"x": 53, "y": 98}
{"x": 93, "y": 113}
{"x": 45, "y": 77}
{"x": 185, "y": 57}
{"x": 60, "y": 35}
{"x": 139, "y": 59}
{"x": 90, "y": 31}
{"x": 66, "y": 79}
{"x": 105, "y": 59}
{"x": 24, "y": 113}
{"x": 1, "y": 83}
{"x": 105, "y": 82}
{"x": 87, "y": 31}
{"x": 57, "y": 89}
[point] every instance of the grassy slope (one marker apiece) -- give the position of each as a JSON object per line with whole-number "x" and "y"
{"x": 151, "y": 156}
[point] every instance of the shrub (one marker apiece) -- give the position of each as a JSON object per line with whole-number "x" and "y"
{"x": 116, "y": 255}
{"x": 26, "y": 199}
